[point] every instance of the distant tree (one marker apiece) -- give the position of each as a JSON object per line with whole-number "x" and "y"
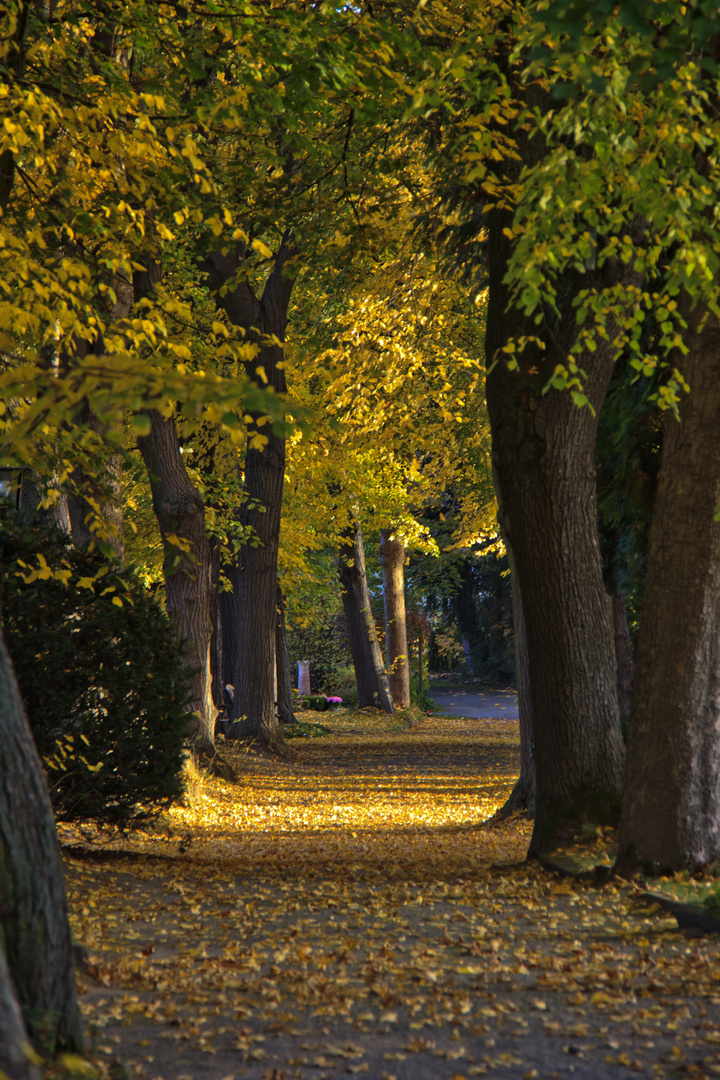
{"x": 372, "y": 680}
{"x": 392, "y": 559}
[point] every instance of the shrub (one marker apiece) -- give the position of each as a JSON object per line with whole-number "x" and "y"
{"x": 313, "y": 702}
{"x": 324, "y": 644}
{"x": 100, "y": 673}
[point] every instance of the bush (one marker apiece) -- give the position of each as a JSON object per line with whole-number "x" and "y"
{"x": 344, "y": 685}
{"x": 313, "y": 703}
{"x": 100, "y": 673}
{"x": 324, "y": 644}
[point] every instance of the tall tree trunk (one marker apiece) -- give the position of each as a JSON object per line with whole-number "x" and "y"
{"x": 34, "y": 925}
{"x": 624, "y": 657}
{"x": 282, "y": 659}
{"x": 671, "y": 806}
{"x": 16, "y": 1054}
{"x": 392, "y": 559}
{"x": 420, "y": 658}
{"x": 372, "y": 681}
{"x": 227, "y": 620}
{"x": 254, "y": 677}
{"x": 522, "y": 797}
{"x": 262, "y": 319}
{"x": 216, "y": 635}
{"x": 180, "y": 512}
{"x": 543, "y": 459}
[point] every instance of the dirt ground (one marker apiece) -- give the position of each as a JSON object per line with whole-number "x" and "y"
{"x": 351, "y": 911}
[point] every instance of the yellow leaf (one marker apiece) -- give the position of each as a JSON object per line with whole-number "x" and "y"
{"x": 262, "y": 249}
{"x": 76, "y": 1064}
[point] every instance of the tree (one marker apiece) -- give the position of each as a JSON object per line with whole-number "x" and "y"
{"x": 181, "y": 516}
{"x": 392, "y": 558}
{"x": 264, "y": 319}
{"x": 370, "y": 675}
{"x": 283, "y": 679}
{"x": 16, "y": 1055}
{"x": 671, "y": 807}
{"x": 34, "y": 921}
{"x": 523, "y": 795}
{"x": 658, "y": 162}
{"x": 392, "y": 377}
{"x": 590, "y": 230}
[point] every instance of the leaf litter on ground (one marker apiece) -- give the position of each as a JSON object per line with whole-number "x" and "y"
{"x": 358, "y": 910}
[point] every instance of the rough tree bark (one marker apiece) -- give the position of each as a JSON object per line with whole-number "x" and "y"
{"x": 285, "y": 708}
{"x": 671, "y": 806}
{"x": 16, "y": 1055}
{"x": 420, "y": 658}
{"x": 543, "y": 459}
{"x": 34, "y": 929}
{"x": 227, "y": 623}
{"x": 180, "y": 511}
{"x": 624, "y": 656}
{"x": 261, "y": 318}
{"x": 392, "y": 559}
{"x": 371, "y": 678}
{"x": 522, "y": 797}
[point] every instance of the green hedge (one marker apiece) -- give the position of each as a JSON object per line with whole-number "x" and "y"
{"x": 100, "y": 673}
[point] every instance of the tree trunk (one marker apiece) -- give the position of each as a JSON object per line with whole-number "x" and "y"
{"x": 671, "y": 808}
{"x": 392, "y": 558}
{"x": 285, "y": 708}
{"x": 370, "y": 676}
{"x": 543, "y": 459}
{"x": 522, "y": 797}
{"x": 227, "y": 620}
{"x": 33, "y": 908}
{"x": 420, "y": 659}
{"x": 624, "y": 657}
{"x": 254, "y": 677}
{"x": 15, "y": 1051}
{"x": 180, "y": 511}
{"x": 261, "y": 319}
{"x": 216, "y": 643}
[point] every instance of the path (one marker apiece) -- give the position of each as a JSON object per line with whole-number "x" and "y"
{"x": 349, "y": 913}
{"x": 466, "y": 701}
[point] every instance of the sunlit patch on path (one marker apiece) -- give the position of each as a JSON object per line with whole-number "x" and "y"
{"x": 352, "y": 911}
